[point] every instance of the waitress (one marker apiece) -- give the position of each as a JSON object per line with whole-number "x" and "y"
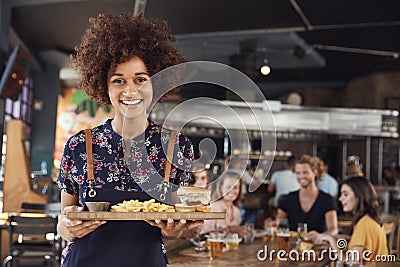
{"x": 117, "y": 55}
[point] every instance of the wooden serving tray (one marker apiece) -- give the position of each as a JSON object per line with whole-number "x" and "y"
{"x": 107, "y": 215}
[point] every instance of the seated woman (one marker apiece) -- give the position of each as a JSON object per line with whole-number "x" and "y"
{"x": 200, "y": 175}
{"x": 359, "y": 198}
{"x": 309, "y": 204}
{"x": 227, "y": 193}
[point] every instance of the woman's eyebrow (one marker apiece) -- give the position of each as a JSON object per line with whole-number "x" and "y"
{"x": 137, "y": 73}
{"x": 141, "y": 73}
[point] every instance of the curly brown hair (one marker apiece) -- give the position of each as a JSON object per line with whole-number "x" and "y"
{"x": 111, "y": 40}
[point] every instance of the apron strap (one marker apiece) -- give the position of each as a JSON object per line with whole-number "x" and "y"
{"x": 89, "y": 155}
{"x": 170, "y": 155}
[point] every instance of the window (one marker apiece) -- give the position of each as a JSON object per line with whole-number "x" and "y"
{"x": 19, "y": 109}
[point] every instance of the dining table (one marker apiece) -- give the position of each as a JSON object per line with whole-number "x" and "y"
{"x": 255, "y": 253}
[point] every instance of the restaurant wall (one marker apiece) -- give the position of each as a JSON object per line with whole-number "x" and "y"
{"x": 368, "y": 91}
{"x": 46, "y": 89}
{"x": 373, "y": 91}
{"x": 75, "y": 112}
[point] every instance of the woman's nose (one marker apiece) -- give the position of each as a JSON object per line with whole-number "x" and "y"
{"x": 131, "y": 89}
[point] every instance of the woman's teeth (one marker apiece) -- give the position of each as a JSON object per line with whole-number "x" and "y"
{"x": 131, "y": 102}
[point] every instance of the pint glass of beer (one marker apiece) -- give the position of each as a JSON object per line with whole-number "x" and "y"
{"x": 283, "y": 234}
{"x": 283, "y": 241}
{"x": 269, "y": 234}
{"x": 232, "y": 241}
{"x": 216, "y": 242}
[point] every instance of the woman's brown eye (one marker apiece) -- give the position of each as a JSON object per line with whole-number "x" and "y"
{"x": 117, "y": 81}
{"x": 141, "y": 79}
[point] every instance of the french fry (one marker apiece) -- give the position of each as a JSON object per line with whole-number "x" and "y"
{"x": 135, "y": 205}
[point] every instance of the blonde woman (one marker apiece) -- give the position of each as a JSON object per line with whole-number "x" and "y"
{"x": 227, "y": 193}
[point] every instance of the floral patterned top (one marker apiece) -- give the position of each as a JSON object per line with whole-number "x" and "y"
{"x": 142, "y": 169}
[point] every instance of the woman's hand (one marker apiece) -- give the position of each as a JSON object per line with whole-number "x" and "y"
{"x": 241, "y": 230}
{"x": 173, "y": 229}
{"x": 72, "y": 229}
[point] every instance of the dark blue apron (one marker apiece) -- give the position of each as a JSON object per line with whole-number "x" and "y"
{"x": 119, "y": 243}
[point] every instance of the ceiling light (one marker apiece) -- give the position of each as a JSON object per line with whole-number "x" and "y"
{"x": 265, "y": 69}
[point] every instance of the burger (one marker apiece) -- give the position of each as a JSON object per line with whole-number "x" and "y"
{"x": 193, "y": 199}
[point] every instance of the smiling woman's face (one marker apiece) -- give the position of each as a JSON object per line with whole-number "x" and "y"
{"x": 348, "y": 198}
{"x": 130, "y": 90}
{"x": 230, "y": 188}
{"x": 201, "y": 179}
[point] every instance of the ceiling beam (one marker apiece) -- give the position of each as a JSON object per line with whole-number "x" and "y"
{"x": 296, "y": 85}
{"x": 299, "y": 11}
{"x": 392, "y": 54}
{"x": 239, "y": 32}
{"x": 289, "y": 29}
{"x": 23, "y": 3}
{"x": 16, "y": 40}
{"x": 140, "y": 6}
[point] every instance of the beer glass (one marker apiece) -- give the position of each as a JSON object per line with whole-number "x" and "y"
{"x": 232, "y": 241}
{"x": 269, "y": 234}
{"x": 216, "y": 242}
{"x": 301, "y": 232}
{"x": 250, "y": 236}
{"x": 283, "y": 234}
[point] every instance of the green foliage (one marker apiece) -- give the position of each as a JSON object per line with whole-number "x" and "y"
{"x": 85, "y": 104}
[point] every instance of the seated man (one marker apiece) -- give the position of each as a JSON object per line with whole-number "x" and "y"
{"x": 309, "y": 205}
{"x": 283, "y": 181}
{"x": 328, "y": 183}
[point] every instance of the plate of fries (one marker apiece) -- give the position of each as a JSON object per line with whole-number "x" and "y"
{"x": 147, "y": 210}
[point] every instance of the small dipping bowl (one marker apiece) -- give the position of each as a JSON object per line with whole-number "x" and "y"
{"x": 98, "y": 206}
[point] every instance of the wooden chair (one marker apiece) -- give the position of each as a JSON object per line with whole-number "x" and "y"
{"x": 49, "y": 208}
{"x": 389, "y": 227}
{"x": 345, "y": 224}
{"x": 391, "y": 224}
{"x": 33, "y": 238}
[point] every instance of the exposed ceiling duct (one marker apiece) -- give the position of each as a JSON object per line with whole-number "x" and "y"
{"x": 248, "y": 50}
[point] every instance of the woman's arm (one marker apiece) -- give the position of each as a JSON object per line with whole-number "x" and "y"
{"x": 208, "y": 226}
{"x": 271, "y": 187}
{"x": 242, "y": 231}
{"x": 72, "y": 229}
